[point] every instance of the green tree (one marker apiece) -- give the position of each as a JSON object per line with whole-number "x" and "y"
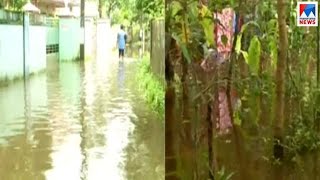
{"x": 107, "y": 6}
{"x": 151, "y": 8}
{"x": 280, "y": 78}
{"x": 12, "y": 4}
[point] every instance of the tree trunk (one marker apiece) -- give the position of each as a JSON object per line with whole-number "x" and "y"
{"x": 109, "y": 12}
{"x": 100, "y": 8}
{"x": 170, "y": 119}
{"x": 278, "y": 125}
{"x": 186, "y": 124}
{"x": 186, "y": 148}
{"x": 210, "y": 140}
{"x": 170, "y": 155}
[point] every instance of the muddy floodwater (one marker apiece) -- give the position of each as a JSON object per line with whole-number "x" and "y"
{"x": 80, "y": 121}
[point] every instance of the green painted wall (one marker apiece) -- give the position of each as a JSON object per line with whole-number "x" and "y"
{"x": 68, "y": 35}
{"x": 11, "y": 50}
{"x": 69, "y": 39}
{"x": 38, "y": 56}
{"x": 52, "y": 35}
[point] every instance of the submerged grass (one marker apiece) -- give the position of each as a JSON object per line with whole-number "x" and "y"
{"x": 151, "y": 86}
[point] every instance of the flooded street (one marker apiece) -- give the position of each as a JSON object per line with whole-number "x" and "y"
{"x": 80, "y": 121}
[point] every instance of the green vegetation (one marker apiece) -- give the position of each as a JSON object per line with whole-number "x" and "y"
{"x": 129, "y": 11}
{"x": 274, "y": 69}
{"x": 6, "y": 81}
{"x": 151, "y": 87}
{"x": 15, "y": 5}
{"x": 223, "y": 175}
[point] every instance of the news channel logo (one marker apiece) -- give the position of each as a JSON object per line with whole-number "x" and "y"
{"x": 307, "y": 14}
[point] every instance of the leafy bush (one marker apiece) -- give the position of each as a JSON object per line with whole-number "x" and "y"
{"x": 302, "y": 133}
{"x": 302, "y": 137}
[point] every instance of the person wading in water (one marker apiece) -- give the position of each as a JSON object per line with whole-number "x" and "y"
{"x": 122, "y": 40}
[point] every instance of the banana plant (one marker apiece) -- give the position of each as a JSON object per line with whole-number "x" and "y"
{"x": 191, "y": 23}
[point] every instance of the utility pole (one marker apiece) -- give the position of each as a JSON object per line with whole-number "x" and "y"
{"x": 82, "y": 22}
{"x": 25, "y": 44}
{"x": 27, "y": 9}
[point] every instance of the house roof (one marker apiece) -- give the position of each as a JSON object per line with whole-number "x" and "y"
{"x": 59, "y": 6}
{"x": 30, "y": 8}
{"x": 58, "y": 3}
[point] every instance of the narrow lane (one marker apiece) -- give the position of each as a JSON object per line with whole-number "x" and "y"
{"x": 80, "y": 121}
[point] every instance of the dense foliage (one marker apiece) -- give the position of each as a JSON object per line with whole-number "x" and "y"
{"x": 129, "y": 11}
{"x": 12, "y": 4}
{"x": 274, "y": 68}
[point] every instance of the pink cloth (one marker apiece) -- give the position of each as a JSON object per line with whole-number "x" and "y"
{"x": 226, "y": 18}
{"x": 224, "y": 122}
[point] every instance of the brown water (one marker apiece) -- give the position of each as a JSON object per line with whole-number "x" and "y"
{"x": 78, "y": 121}
{"x": 252, "y": 160}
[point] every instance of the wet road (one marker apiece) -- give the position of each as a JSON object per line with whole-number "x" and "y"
{"x": 80, "y": 121}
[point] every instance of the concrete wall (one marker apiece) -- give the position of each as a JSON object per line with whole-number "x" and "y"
{"x": 68, "y": 35}
{"x": 52, "y": 40}
{"x": 90, "y": 36}
{"x": 11, "y": 50}
{"x": 52, "y": 35}
{"x": 11, "y": 57}
{"x": 157, "y": 53}
{"x": 69, "y": 39}
{"x": 37, "y": 48}
{"x": 104, "y": 39}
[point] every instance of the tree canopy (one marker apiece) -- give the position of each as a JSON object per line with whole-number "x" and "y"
{"x": 12, "y": 4}
{"x": 128, "y": 11}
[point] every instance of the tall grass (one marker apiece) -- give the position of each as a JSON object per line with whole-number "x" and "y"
{"x": 150, "y": 86}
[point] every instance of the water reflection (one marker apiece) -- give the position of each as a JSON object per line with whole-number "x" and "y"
{"x": 135, "y": 50}
{"x": 79, "y": 121}
{"x": 84, "y": 163}
{"x": 23, "y": 150}
{"x": 27, "y": 113}
{"x": 121, "y": 77}
{"x": 254, "y": 162}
